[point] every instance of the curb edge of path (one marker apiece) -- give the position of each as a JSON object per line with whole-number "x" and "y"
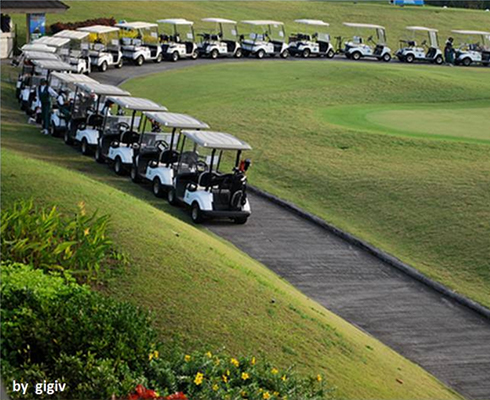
{"x": 373, "y": 250}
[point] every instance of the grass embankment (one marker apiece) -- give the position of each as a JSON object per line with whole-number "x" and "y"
{"x": 420, "y": 199}
{"x": 204, "y": 292}
{"x": 395, "y": 19}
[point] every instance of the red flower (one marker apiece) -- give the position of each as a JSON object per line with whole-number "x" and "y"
{"x": 177, "y": 396}
{"x": 143, "y": 393}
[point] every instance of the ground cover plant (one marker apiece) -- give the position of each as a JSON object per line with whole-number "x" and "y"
{"x": 204, "y": 293}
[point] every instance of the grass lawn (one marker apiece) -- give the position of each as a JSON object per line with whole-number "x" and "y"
{"x": 336, "y": 139}
{"x": 204, "y": 292}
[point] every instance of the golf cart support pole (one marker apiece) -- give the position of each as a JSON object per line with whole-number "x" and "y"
{"x": 172, "y": 143}
{"x": 237, "y": 160}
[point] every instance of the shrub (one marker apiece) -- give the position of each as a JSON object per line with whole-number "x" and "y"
{"x": 51, "y": 241}
{"x": 60, "y": 26}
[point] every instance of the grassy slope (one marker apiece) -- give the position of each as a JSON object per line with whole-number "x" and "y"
{"x": 210, "y": 296}
{"x": 425, "y": 201}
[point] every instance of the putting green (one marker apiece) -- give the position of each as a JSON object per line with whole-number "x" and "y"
{"x": 456, "y": 121}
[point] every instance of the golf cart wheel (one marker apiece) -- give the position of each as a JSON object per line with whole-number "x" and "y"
{"x": 194, "y": 55}
{"x": 409, "y": 58}
{"x": 285, "y": 54}
{"x": 159, "y": 58}
{"x": 214, "y": 54}
{"x": 175, "y": 56}
{"x": 439, "y": 60}
{"x": 134, "y": 174}
{"x": 387, "y": 57}
{"x": 84, "y": 147}
{"x": 67, "y": 138}
{"x": 196, "y": 213}
{"x": 305, "y": 53}
{"x": 260, "y": 54}
{"x": 103, "y": 67}
{"x": 98, "y": 155}
{"x": 356, "y": 56}
{"x": 157, "y": 187}
{"x": 139, "y": 61}
{"x": 331, "y": 53}
{"x": 118, "y": 166}
{"x": 467, "y": 62}
{"x": 240, "y": 220}
{"x": 238, "y": 53}
{"x": 172, "y": 197}
{"x": 119, "y": 64}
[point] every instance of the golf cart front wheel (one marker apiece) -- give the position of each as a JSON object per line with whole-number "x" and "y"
{"x": 387, "y": 57}
{"x": 175, "y": 56}
{"x": 356, "y": 56}
{"x": 306, "y": 53}
{"x": 85, "y": 148}
{"x": 409, "y": 58}
{"x": 119, "y": 64}
{"x": 118, "y": 166}
{"x": 157, "y": 187}
{"x": 139, "y": 61}
{"x": 214, "y": 54}
{"x": 98, "y": 155}
{"x": 330, "y": 54}
{"x": 285, "y": 54}
{"x": 467, "y": 62}
{"x": 194, "y": 55}
{"x": 196, "y": 213}
{"x": 103, "y": 67}
{"x": 238, "y": 53}
{"x": 260, "y": 54}
{"x": 159, "y": 58}
{"x": 172, "y": 197}
{"x": 134, "y": 174}
{"x": 439, "y": 60}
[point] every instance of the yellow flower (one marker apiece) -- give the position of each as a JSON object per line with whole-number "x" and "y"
{"x": 209, "y": 354}
{"x": 245, "y": 376}
{"x": 284, "y": 378}
{"x": 150, "y": 356}
{"x": 274, "y": 371}
{"x": 187, "y": 358}
{"x": 86, "y": 232}
{"x": 198, "y": 379}
{"x": 319, "y": 378}
{"x": 156, "y": 354}
{"x": 253, "y": 361}
{"x": 235, "y": 362}
{"x": 228, "y": 372}
{"x": 276, "y": 393}
{"x": 244, "y": 393}
{"x": 225, "y": 379}
{"x": 266, "y": 395}
{"x": 218, "y": 361}
{"x": 215, "y": 387}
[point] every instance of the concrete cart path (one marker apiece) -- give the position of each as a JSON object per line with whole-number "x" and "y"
{"x": 447, "y": 339}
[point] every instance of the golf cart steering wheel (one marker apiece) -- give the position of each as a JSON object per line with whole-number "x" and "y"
{"x": 161, "y": 142}
{"x": 370, "y": 39}
{"x": 121, "y": 125}
{"x": 201, "y": 166}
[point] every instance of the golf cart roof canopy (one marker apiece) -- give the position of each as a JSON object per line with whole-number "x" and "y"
{"x": 471, "y": 32}
{"x": 421, "y": 28}
{"x": 175, "y": 120}
{"x": 40, "y": 55}
{"x": 315, "y": 22}
{"x": 356, "y": 25}
{"x": 38, "y": 47}
{"x": 137, "y": 104}
{"x": 77, "y": 35}
{"x": 259, "y": 22}
{"x": 101, "y": 89}
{"x": 54, "y": 65}
{"x": 52, "y": 41}
{"x": 136, "y": 25}
{"x": 99, "y": 29}
{"x": 216, "y": 140}
{"x": 72, "y": 78}
{"x": 219, "y": 20}
{"x": 175, "y": 21}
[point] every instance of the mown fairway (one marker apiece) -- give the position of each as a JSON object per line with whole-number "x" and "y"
{"x": 421, "y": 197}
{"x": 205, "y": 293}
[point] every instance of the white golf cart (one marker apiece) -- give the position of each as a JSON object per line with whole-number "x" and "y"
{"x": 266, "y": 38}
{"x": 140, "y": 42}
{"x": 27, "y": 68}
{"x": 44, "y": 48}
{"x": 104, "y": 46}
{"x": 156, "y": 155}
{"x": 78, "y": 49}
{"x": 475, "y": 49}
{"x": 428, "y": 50}
{"x": 309, "y": 44}
{"x": 121, "y": 130}
{"x": 179, "y": 42}
{"x": 223, "y": 41}
{"x": 358, "y": 47}
{"x": 198, "y": 182}
{"x": 88, "y": 112}
{"x": 65, "y": 87}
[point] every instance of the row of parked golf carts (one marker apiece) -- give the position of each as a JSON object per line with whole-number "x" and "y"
{"x": 177, "y": 154}
{"x": 173, "y": 39}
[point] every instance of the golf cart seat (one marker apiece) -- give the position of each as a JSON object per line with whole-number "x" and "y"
{"x": 412, "y": 43}
{"x": 95, "y": 120}
{"x": 98, "y": 47}
{"x": 189, "y": 46}
{"x": 431, "y": 53}
{"x": 129, "y": 137}
{"x": 169, "y": 156}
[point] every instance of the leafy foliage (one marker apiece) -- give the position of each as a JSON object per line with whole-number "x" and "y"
{"x": 60, "y": 26}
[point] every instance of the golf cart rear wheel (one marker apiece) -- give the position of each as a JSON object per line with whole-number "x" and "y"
{"x": 409, "y": 58}
{"x": 238, "y": 53}
{"x": 467, "y": 62}
{"x": 134, "y": 174}
{"x": 306, "y": 53}
{"x": 194, "y": 55}
{"x": 119, "y": 64}
{"x": 260, "y": 54}
{"x": 118, "y": 166}
{"x": 139, "y": 61}
{"x": 159, "y": 58}
{"x": 387, "y": 57}
{"x": 84, "y": 147}
{"x": 285, "y": 54}
{"x": 172, "y": 197}
{"x": 157, "y": 187}
{"x": 98, "y": 155}
{"x": 67, "y": 138}
{"x": 196, "y": 213}
{"x": 439, "y": 60}
{"x": 175, "y": 56}
{"x": 103, "y": 67}
{"x": 331, "y": 53}
{"x": 356, "y": 56}
{"x": 240, "y": 220}
{"x": 214, "y": 54}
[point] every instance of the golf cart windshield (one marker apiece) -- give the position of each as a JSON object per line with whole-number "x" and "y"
{"x": 102, "y": 37}
{"x": 266, "y": 30}
{"x": 79, "y": 41}
{"x": 176, "y": 30}
{"x": 474, "y": 40}
{"x": 360, "y": 28}
{"x": 224, "y": 29}
{"x": 314, "y": 29}
{"x": 416, "y": 32}
{"x": 138, "y": 33}
{"x": 60, "y": 80}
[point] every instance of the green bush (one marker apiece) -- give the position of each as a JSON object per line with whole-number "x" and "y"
{"x": 47, "y": 239}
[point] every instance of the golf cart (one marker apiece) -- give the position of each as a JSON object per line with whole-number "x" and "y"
{"x": 65, "y": 86}
{"x": 104, "y": 47}
{"x": 156, "y": 155}
{"x": 44, "y": 48}
{"x": 266, "y": 38}
{"x": 87, "y": 113}
{"x": 180, "y": 43}
{"x": 120, "y": 131}
{"x": 476, "y": 50}
{"x": 357, "y": 48}
{"x": 428, "y": 50}
{"x": 312, "y": 44}
{"x": 140, "y": 42}
{"x": 223, "y": 41}
{"x": 78, "y": 49}
{"x": 198, "y": 182}
{"x": 27, "y": 68}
